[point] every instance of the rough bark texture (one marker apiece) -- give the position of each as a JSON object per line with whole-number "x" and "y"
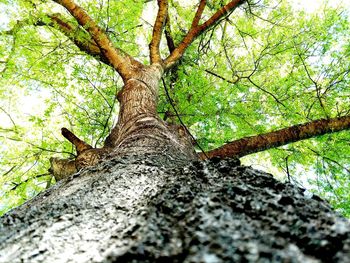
{"x": 152, "y": 208}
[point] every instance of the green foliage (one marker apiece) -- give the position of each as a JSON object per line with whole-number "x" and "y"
{"x": 265, "y": 67}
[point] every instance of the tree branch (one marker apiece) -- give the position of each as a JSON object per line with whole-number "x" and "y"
{"x": 73, "y": 32}
{"x": 79, "y": 144}
{"x": 77, "y": 35}
{"x": 221, "y": 77}
{"x": 117, "y": 58}
{"x": 196, "y": 29}
{"x": 199, "y": 13}
{"x": 168, "y": 36}
{"x": 157, "y": 31}
{"x": 16, "y": 185}
{"x": 258, "y": 143}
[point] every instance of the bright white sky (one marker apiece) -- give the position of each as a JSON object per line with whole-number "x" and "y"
{"x": 312, "y": 5}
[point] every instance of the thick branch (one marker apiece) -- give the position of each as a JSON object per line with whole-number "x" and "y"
{"x": 196, "y": 29}
{"x": 157, "y": 31}
{"x": 116, "y": 57}
{"x": 222, "y": 12}
{"x": 77, "y": 35}
{"x": 79, "y": 144}
{"x": 281, "y": 137}
{"x": 73, "y": 32}
{"x": 168, "y": 36}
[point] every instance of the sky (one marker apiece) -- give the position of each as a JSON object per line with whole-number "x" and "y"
{"x": 312, "y": 5}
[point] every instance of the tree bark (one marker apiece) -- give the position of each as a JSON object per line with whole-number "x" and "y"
{"x": 150, "y": 208}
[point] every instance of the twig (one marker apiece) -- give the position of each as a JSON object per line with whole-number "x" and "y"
{"x": 178, "y": 116}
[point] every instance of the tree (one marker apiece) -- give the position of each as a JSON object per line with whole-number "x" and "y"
{"x": 150, "y": 137}
{"x": 293, "y": 64}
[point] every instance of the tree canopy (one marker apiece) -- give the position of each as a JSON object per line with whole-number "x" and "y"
{"x": 265, "y": 66}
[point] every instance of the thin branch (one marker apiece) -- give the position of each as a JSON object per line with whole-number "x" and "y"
{"x": 9, "y": 116}
{"x": 180, "y": 120}
{"x": 157, "y": 31}
{"x": 287, "y": 169}
{"x": 11, "y": 53}
{"x": 221, "y": 77}
{"x": 77, "y": 35}
{"x": 72, "y": 31}
{"x": 16, "y": 185}
{"x": 98, "y": 91}
{"x": 197, "y": 30}
{"x": 329, "y": 159}
{"x": 49, "y": 150}
{"x": 198, "y": 15}
{"x": 317, "y": 87}
{"x": 9, "y": 171}
{"x": 266, "y": 91}
{"x": 258, "y": 143}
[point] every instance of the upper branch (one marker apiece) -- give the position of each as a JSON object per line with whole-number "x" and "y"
{"x": 115, "y": 56}
{"x": 157, "y": 31}
{"x": 196, "y": 29}
{"x": 199, "y": 13}
{"x": 73, "y": 32}
{"x": 77, "y": 35}
{"x": 281, "y": 137}
{"x": 169, "y": 38}
{"x": 223, "y": 11}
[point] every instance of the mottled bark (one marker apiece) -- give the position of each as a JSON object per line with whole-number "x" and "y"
{"x": 277, "y": 138}
{"x": 151, "y": 208}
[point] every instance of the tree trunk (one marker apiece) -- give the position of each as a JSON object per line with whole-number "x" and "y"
{"x": 143, "y": 197}
{"x": 139, "y": 129}
{"x": 151, "y": 208}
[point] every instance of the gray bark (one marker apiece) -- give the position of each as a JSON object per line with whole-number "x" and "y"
{"x": 154, "y": 208}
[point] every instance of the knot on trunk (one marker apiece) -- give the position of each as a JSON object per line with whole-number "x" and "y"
{"x": 86, "y": 156}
